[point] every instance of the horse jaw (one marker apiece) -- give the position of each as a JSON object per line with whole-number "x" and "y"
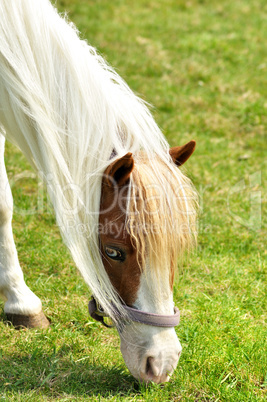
{"x": 150, "y": 353}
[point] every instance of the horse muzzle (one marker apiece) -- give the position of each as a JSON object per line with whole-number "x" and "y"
{"x": 151, "y": 351}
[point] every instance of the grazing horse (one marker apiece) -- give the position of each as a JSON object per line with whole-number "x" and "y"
{"x": 124, "y": 208}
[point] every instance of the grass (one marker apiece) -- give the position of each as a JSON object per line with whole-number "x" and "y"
{"x": 202, "y": 64}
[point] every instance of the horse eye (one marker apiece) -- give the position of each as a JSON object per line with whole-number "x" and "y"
{"x": 114, "y": 253}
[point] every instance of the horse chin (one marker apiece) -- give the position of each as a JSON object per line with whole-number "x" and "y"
{"x": 151, "y": 354}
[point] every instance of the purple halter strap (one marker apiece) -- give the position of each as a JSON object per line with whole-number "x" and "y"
{"x": 156, "y": 320}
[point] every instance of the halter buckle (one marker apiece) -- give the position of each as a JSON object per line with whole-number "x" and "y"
{"x": 97, "y": 312}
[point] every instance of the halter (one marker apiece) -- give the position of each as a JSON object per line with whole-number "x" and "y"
{"x": 156, "y": 320}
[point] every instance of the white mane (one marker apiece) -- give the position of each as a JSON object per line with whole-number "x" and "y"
{"x": 68, "y": 111}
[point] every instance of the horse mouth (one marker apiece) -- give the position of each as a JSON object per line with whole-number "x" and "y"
{"x": 153, "y": 362}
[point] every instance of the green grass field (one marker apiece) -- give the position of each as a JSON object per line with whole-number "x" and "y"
{"x": 203, "y": 65}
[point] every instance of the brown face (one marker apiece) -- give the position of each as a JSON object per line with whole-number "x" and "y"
{"x": 118, "y": 253}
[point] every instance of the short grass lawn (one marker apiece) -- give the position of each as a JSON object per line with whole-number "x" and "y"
{"x": 203, "y": 66}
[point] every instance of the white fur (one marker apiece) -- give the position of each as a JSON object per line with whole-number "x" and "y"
{"x": 19, "y": 298}
{"x": 141, "y": 342}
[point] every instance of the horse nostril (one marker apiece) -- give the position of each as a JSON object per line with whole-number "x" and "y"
{"x": 151, "y": 369}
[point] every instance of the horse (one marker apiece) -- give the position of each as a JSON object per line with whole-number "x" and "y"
{"x": 125, "y": 210}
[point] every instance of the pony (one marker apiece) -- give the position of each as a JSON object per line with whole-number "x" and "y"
{"x": 125, "y": 210}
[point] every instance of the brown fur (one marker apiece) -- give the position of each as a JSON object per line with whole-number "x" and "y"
{"x": 125, "y": 275}
{"x": 119, "y": 218}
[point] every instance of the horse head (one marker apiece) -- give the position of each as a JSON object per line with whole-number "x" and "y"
{"x": 143, "y": 227}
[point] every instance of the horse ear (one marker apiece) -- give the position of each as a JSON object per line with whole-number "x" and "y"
{"x": 119, "y": 171}
{"x": 180, "y": 155}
